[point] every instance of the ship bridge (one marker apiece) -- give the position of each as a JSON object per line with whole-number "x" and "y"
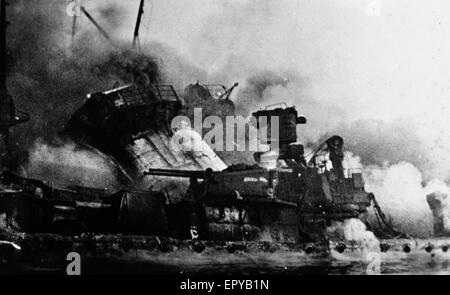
{"x": 132, "y": 125}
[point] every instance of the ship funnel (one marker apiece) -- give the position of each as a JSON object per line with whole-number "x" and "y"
{"x": 285, "y": 135}
{"x": 287, "y": 119}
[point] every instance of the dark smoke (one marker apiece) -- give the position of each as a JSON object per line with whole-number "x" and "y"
{"x": 50, "y": 76}
{"x": 256, "y": 85}
{"x": 177, "y": 70}
{"x": 129, "y": 67}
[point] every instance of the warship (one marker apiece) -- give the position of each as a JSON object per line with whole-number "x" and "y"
{"x": 177, "y": 209}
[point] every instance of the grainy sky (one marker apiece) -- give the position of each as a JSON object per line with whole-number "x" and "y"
{"x": 389, "y": 57}
{"x": 386, "y": 60}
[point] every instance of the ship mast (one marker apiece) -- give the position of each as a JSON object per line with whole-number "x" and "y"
{"x": 99, "y": 28}
{"x": 8, "y": 115}
{"x": 136, "y": 44}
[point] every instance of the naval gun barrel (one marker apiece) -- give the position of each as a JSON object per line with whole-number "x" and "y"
{"x": 180, "y": 173}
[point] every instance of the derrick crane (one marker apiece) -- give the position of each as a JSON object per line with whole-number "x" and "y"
{"x": 136, "y": 44}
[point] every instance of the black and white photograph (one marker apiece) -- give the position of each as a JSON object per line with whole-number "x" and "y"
{"x": 231, "y": 139}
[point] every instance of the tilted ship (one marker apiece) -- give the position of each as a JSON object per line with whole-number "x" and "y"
{"x": 173, "y": 202}
{"x": 291, "y": 201}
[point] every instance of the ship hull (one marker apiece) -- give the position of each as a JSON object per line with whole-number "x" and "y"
{"x": 120, "y": 254}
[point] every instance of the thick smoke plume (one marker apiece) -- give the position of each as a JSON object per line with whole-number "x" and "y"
{"x": 379, "y": 81}
{"x": 50, "y": 75}
{"x": 349, "y": 73}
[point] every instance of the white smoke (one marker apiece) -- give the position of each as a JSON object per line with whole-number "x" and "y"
{"x": 401, "y": 195}
{"x": 355, "y": 230}
{"x": 401, "y": 191}
{"x": 70, "y": 165}
{"x": 331, "y": 59}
